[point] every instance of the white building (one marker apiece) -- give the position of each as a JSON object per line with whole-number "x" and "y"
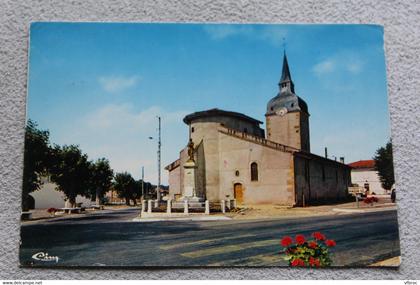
{"x": 48, "y": 197}
{"x": 363, "y": 174}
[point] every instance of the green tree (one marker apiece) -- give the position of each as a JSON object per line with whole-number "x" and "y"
{"x": 125, "y": 185}
{"x": 101, "y": 176}
{"x": 71, "y": 171}
{"x": 37, "y": 155}
{"x": 385, "y": 166}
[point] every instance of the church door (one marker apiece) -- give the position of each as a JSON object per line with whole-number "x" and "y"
{"x": 238, "y": 192}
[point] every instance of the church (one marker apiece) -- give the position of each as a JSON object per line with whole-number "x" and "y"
{"x": 230, "y": 156}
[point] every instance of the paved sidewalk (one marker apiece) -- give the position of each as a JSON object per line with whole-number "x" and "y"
{"x": 250, "y": 212}
{"x": 276, "y": 211}
{"x": 42, "y": 214}
{"x": 390, "y": 262}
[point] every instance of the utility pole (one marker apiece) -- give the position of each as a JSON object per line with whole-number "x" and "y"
{"x": 158, "y": 159}
{"x": 142, "y": 182}
{"x": 158, "y": 154}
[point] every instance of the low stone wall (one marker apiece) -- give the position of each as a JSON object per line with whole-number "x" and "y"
{"x": 153, "y": 208}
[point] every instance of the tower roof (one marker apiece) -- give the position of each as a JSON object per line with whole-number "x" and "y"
{"x": 285, "y": 73}
{"x": 286, "y": 98}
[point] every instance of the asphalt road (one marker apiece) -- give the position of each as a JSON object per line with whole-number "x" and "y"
{"x": 110, "y": 238}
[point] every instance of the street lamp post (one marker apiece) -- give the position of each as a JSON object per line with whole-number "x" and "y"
{"x": 158, "y": 158}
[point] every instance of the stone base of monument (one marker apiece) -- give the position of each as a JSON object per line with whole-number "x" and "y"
{"x": 185, "y": 209}
{"x": 196, "y": 203}
{"x": 161, "y": 217}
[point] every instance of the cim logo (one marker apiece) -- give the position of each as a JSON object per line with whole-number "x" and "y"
{"x": 41, "y": 256}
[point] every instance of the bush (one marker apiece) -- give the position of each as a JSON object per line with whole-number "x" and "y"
{"x": 308, "y": 253}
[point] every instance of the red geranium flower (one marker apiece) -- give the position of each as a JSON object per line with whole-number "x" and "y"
{"x": 314, "y": 262}
{"x": 298, "y": 262}
{"x": 311, "y": 252}
{"x": 52, "y": 210}
{"x": 300, "y": 239}
{"x": 312, "y": 244}
{"x": 318, "y": 236}
{"x": 330, "y": 242}
{"x": 286, "y": 241}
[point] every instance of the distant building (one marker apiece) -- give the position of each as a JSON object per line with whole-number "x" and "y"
{"x": 112, "y": 197}
{"x": 363, "y": 174}
{"x": 230, "y": 156}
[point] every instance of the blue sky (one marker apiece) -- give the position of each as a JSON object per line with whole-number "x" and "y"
{"x": 101, "y": 86}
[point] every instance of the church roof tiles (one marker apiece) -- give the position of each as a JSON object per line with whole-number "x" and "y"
{"x": 218, "y": 112}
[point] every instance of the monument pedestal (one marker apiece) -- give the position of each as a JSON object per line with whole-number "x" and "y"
{"x": 189, "y": 179}
{"x": 188, "y": 191}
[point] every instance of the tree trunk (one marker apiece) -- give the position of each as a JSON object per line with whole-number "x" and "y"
{"x": 127, "y": 201}
{"x": 98, "y": 200}
{"x": 72, "y": 202}
{"x": 25, "y": 204}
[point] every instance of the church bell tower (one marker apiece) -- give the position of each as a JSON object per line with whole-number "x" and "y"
{"x": 287, "y": 116}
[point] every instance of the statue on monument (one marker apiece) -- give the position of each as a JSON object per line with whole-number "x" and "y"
{"x": 191, "y": 150}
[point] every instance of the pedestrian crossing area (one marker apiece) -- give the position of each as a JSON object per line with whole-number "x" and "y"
{"x": 239, "y": 250}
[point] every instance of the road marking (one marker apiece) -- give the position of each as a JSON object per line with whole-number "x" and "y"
{"x": 204, "y": 241}
{"x": 229, "y": 248}
{"x": 256, "y": 260}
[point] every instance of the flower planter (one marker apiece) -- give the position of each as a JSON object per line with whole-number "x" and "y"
{"x": 314, "y": 252}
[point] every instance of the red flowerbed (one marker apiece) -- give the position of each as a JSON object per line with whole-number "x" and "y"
{"x": 370, "y": 200}
{"x": 313, "y": 252}
{"x": 52, "y": 210}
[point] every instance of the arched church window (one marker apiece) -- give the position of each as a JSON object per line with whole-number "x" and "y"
{"x": 254, "y": 171}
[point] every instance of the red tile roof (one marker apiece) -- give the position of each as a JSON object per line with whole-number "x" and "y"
{"x": 363, "y": 164}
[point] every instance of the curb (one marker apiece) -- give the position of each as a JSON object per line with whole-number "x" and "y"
{"x": 363, "y": 210}
{"x": 201, "y": 218}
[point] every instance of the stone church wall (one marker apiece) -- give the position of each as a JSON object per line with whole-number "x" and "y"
{"x": 206, "y": 134}
{"x": 275, "y": 172}
{"x": 285, "y": 129}
{"x": 176, "y": 175}
{"x": 174, "y": 180}
{"x": 304, "y": 132}
{"x": 319, "y": 180}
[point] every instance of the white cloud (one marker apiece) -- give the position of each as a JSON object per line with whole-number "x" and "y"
{"x": 219, "y": 32}
{"x": 121, "y": 133}
{"x": 114, "y": 84}
{"x": 344, "y": 61}
{"x": 325, "y": 66}
{"x": 355, "y": 67}
{"x": 274, "y": 35}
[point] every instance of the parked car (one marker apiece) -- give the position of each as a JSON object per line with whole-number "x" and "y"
{"x": 393, "y": 194}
